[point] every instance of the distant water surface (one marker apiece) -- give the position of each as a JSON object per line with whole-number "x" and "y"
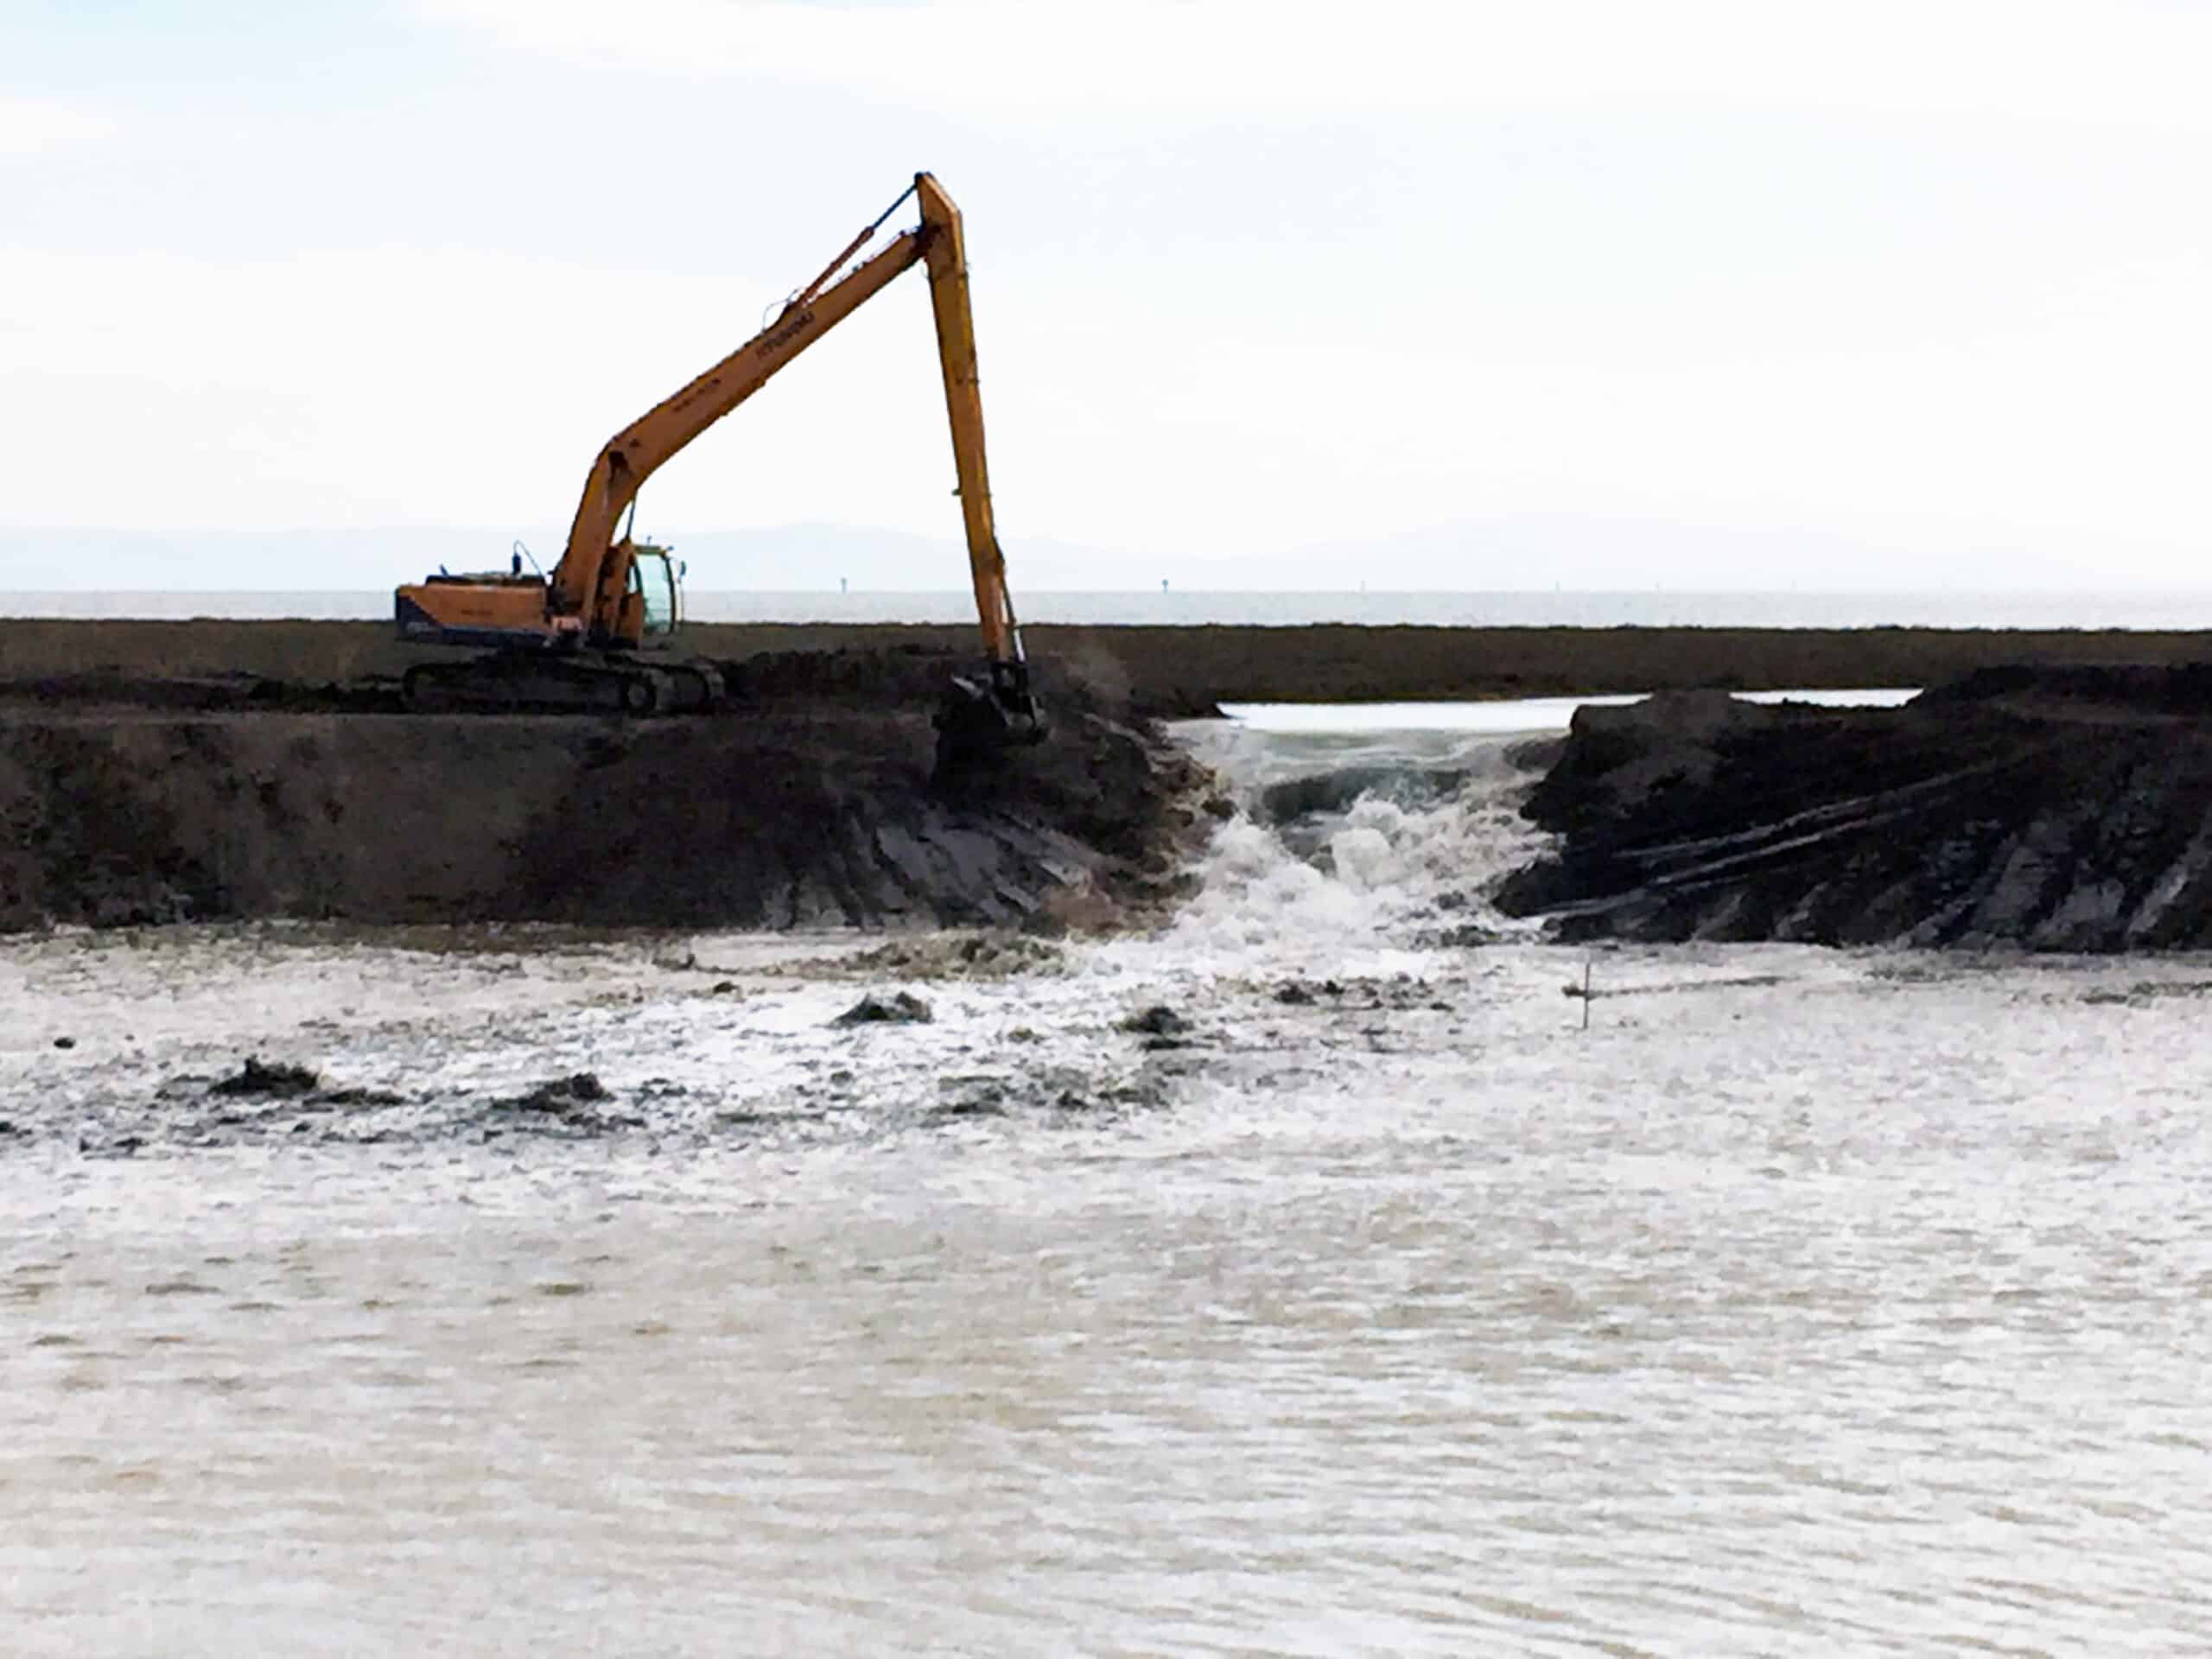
{"x": 1502, "y": 717}
{"x": 1649, "y": 608}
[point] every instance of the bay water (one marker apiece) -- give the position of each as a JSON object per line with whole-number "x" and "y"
{"x": 1382, "y": 1297}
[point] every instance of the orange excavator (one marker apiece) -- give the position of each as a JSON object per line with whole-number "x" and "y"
{"x": 582, "y": 636}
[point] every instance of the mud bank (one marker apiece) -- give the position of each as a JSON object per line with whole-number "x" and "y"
{"x": 811, "y": 803}
{"x": 1179, "y": 671}
{"x": 2062, "y": 810}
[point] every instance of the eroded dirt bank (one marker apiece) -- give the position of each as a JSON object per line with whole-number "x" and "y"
{"x": 811, "y": 803}
{"x": 2067, "y": 808}
{"x": 1185, "y": 671}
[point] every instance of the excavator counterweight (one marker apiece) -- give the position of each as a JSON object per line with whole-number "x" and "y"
{"x": 572, "y": 638}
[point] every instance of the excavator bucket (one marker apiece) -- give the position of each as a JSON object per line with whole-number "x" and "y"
{"x": 980, "y": 717}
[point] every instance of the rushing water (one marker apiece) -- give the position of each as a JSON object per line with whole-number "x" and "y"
{"x": 1801, "y": 1302}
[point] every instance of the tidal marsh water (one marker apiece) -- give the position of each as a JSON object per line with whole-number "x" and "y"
{"x": 1800, "y": 1302}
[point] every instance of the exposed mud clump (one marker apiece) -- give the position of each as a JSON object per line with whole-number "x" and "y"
{"x": 1158, "y": 1021}
{"x": 969, "y": 955}
{"x": 570, "y": 1107}
{"x": 809, "y": 802}
{"x": 2061, "y": 810}
{"x": 299, "y": 1087}
{"x": 1397, "y": 991}
{"x": 256, "y": 1081}
{"x": 580, "y": 1089}
{"x": 901, "y": 1008}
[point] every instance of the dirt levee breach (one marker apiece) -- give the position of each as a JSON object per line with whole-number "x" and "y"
{"x": 809, "y": 803}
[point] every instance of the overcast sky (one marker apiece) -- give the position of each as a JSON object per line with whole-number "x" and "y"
{"x": 1923, "y": 288}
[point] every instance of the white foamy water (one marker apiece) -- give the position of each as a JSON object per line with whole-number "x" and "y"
{"x": 1805, "y": 1302}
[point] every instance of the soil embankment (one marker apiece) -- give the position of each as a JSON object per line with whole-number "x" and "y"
{"x": 1176, "y": 671}
{"x": 2066, "y": 809}
{"x": 139, "y": 799}
{"x": 163, "y": 770}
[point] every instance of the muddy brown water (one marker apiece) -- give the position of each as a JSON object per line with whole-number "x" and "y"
{"x": 1806, "y": 1302}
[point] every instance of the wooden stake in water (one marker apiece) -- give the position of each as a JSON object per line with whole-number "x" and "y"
{"x": 1586, "y": 964}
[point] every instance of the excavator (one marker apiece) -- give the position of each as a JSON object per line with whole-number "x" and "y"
{"x": 578, "y": 637}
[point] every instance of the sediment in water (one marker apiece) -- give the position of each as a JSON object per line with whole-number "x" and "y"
{"x": 2058, "y": 809}
{"x": 809, "y": 803}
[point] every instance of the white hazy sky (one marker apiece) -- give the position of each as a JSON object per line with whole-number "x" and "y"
{"x": 1919, "y": 293}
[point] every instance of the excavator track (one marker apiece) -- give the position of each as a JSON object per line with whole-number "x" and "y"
{"x": 580, "y": 683}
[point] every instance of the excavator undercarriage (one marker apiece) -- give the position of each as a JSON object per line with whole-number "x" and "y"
{"x": 584, "y": 682}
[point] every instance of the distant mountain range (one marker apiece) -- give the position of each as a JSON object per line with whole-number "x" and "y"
{"x": 1525, "y": 552}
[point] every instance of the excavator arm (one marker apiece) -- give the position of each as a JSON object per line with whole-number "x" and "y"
{"x": 587, "y": 585}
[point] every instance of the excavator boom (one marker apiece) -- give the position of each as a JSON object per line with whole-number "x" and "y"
{"x": 587, "y": 568}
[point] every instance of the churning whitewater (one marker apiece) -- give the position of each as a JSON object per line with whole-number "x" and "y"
{"x": 1307, "y": 1276}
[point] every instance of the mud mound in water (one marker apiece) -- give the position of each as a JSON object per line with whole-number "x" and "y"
{"x": 974, "y": 955}
{"x": 901, "y": 1008}
{"x": 809, "y": 802}
{"x": 2058, "y": 809}
{"x": 257, "y": 1080}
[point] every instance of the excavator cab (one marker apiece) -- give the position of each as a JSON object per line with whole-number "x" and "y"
{"x": 655, "y": 586}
